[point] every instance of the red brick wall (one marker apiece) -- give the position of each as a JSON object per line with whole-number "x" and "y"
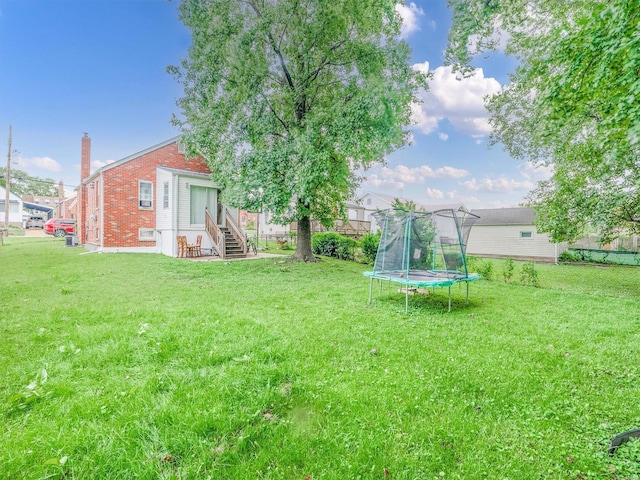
{"x": 122, "y": 216}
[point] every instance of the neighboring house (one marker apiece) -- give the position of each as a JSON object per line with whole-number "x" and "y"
{"x": 50, "y": 204}
{"x": 247, "y": 219}
{"x": 15, "y": 209}
{"x": 354, "y": 226}
{"x": 68, "y": 207}
{"x": 141, "y": 203}
{"x": 269, "y": 229}
{"x": 511, "y": 233}
{"x": 373, "y": 202}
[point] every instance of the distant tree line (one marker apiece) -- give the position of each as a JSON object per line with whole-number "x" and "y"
{"x": 24, "y": 184}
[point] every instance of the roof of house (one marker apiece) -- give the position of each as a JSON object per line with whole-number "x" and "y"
{"x": 130, "y": 157}
{"x": 505, "y": 216}
{"x": 12, "y": 196}
{"x": 390, "y": 199}
{"x": 189, "y": 173}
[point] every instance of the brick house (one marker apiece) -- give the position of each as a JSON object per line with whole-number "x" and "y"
{"x": 142, "y": 202}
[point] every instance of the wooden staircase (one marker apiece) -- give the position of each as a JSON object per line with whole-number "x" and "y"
{"x": 228, "y": 240}
{"x": 232, "y": 246}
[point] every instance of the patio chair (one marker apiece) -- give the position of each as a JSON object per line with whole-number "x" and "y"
{"x": 195, "y": 249}
{"x": 182, "y": 246}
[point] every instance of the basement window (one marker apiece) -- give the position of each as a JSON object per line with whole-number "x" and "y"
{"x": 146, "y": 234}
{"x": 526, "y": 234}
{"x": 145, "y": 192}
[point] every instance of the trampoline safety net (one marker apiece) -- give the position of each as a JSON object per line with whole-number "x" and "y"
{"x": 423, "y": 248}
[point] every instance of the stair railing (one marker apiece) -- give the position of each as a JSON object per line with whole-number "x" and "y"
{"x": 214, "y": 232}
{"x": 234, "y": 229}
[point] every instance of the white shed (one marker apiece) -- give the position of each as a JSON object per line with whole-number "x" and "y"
{"x": 511, "y": 233}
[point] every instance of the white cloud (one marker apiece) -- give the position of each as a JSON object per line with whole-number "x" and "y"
{"x": 409, "y": 14}
{"x": 460, "y": 100}
{"x": 43, "y": 163}
{"x": 98, "y": 164}
{"x": 502, "y": 185}
{"x": 373, "y": 180}
{"x": 443, "y": 136}
{"x": 402, "y": 175}
{"x": 421, "y": 67}
{"x": 536, "y": 173}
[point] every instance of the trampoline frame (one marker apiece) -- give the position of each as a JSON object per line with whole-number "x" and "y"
{"x": 437, "y": 279}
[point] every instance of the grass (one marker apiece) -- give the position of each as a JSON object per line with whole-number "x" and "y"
{"x": 120, "y": 366}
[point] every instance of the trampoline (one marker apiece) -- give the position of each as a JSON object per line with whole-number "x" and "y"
{"x": 423, "y": 250}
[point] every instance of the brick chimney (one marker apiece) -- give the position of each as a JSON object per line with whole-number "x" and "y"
{"x": 85, "y": 165}
{"x": 85, "y": 171}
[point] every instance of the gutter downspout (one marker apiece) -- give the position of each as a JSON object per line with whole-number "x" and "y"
{"x": 101, "y": 211}
{"x": 175, "y": 215}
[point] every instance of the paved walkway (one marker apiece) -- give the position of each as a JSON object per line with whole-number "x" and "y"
{"x": 250, "y": 256}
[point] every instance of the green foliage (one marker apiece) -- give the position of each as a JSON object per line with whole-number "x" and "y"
{"x": 24, "y": 184}
{"x": 570, "y": 256}
{"x": 295, "y": 375}
{"x": 369, "y": 244}
{"x": 331, "y": 244}
{"x": 529, "y": 275}
{"x": 572, "y": 103}
{"x": 507, "y": 270}
{"x": 405, "y": 205}
{"x": 483, "y": 266}
{"x": 291, "y": 97}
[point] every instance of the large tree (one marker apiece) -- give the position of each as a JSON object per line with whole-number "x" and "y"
{"x": 573, "y": 103}
{"x": 24, "y": 184}
{"x": 287, "y": 99}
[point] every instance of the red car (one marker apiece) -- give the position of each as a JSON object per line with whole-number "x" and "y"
{"x": 60, "y": 227}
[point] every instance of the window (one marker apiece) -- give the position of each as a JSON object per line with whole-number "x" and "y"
{"x": 201, "y": 198}
{"x": 145, "y": 190}
{"x": 526, "y": 234}
{"x": 181, "y": 148}
{"x": 165, "y": 195}
{"x": 368, "y": 201}
{"x": 146, "y": 234}
{"x": 14, "y": 207}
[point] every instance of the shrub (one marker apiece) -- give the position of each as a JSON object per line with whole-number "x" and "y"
{"x": 347, "y": 248}
{"x": 332, "y": 244}
{"x": 369, "y": 244}
{"x": 529, "y": 276}
{"x": 569, "y": 256}
{"x": 507, "y": 270}
{"x": 453, "y": 261}
{"x": 485, "y": 268}
{"x": 480, "y": 265}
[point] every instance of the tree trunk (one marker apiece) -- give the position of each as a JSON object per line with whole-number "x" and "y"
{"x": 303, "y": 247}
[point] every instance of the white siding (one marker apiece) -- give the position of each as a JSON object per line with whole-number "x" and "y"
{"x": 184, "y": 201}
{"x": 163, "y": 215}
{"x": 506, "y": 241}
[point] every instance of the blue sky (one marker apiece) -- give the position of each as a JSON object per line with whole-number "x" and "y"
{"x": 99, "y": 66}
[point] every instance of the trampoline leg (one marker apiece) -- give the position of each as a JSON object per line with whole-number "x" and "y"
{"x": 406, "y": 299}
{"x": 449, "y": 298}
{"x": 370, "y": 289}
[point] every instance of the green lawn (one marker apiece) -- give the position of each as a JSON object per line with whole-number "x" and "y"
{"x": 122, "y": 366}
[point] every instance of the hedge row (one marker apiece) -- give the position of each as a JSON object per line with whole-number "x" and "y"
{"x": 332, "y": 244}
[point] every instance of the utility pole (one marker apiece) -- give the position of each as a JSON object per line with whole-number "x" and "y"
{"x": 7, "y": 185}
